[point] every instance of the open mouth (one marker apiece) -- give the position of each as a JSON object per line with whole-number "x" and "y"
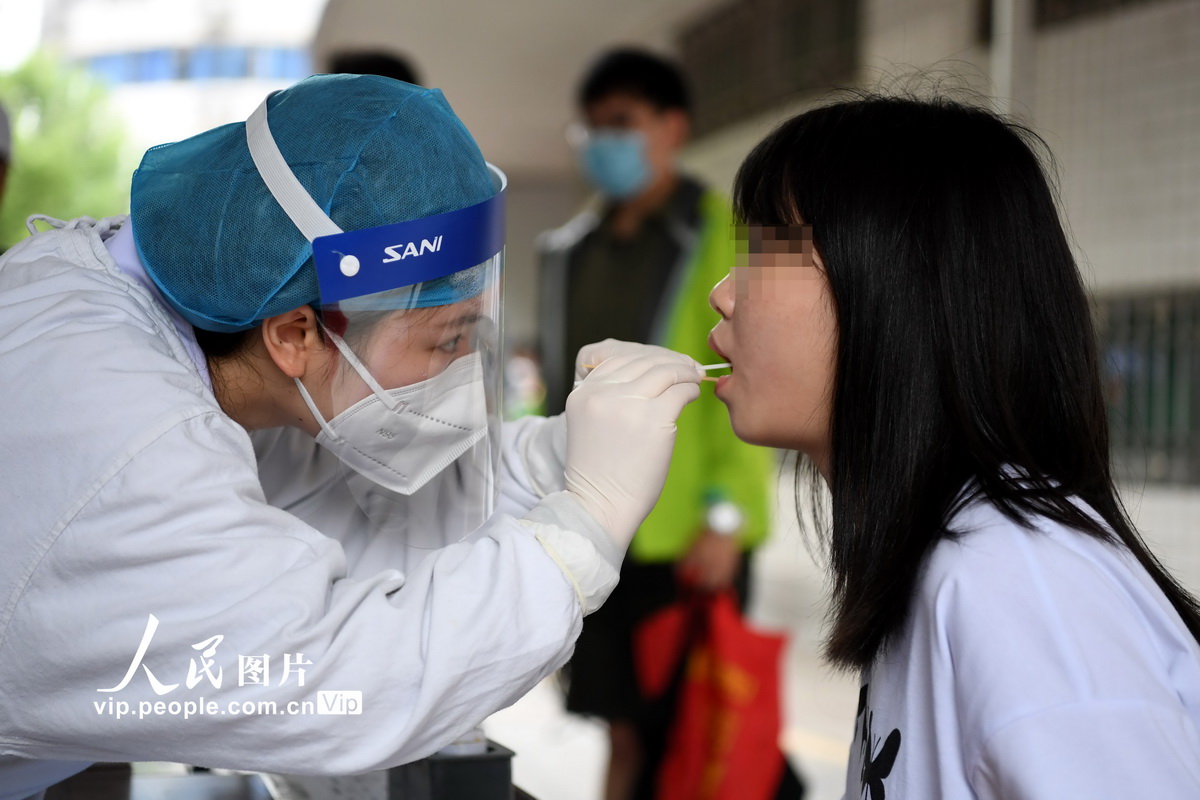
{"x": 715, "y": 368}
{"x": 719, "y": 374}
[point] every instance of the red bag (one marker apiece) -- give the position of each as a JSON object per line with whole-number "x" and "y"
{"x": 724, "y": 741}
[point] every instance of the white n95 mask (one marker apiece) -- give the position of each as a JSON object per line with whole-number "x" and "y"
{"x": 401, "y": 438}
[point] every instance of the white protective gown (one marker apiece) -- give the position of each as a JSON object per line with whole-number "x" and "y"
{"x": 129, "y": 495}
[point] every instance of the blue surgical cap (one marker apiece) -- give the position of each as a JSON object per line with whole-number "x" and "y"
{"x": 371, "y": 151}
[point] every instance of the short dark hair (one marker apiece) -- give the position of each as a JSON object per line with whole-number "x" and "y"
{"x": 374, "y": 62}
{"x": 965, "y": 344}
{"x": 629, "y": 70}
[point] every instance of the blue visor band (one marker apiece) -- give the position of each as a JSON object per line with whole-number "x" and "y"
{"x": 369, "y": 261}
{"x": 372, "y": 260}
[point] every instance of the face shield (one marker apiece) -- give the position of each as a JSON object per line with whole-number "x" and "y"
{"x": 414, "y": 311}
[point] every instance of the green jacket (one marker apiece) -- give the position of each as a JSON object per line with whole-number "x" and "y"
{"x": 709, "y": 462}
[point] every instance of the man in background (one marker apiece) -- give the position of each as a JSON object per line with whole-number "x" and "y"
{"x": 638, "y": 265}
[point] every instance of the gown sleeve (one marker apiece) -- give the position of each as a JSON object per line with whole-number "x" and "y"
{"x": 180, "y": 617}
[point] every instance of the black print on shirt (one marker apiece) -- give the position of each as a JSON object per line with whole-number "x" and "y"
{"x": 877, "y": 760}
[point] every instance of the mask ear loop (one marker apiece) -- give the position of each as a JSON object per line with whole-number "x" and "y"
{"x": 384, "y": 396}
{"x": 393, "y": 404}
{"x": 312, "y": 409}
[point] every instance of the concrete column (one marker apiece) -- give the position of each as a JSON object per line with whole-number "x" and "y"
{"x": 1012, "y": 58}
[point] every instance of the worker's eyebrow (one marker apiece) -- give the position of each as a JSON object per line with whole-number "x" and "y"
{"x": 465, "y": 319}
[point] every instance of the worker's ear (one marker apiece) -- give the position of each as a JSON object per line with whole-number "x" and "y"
{"x": 678, "y": 125}
{"x": 294, "y": 341}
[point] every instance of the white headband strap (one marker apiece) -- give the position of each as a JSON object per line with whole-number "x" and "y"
{"x": 292, "y": 197}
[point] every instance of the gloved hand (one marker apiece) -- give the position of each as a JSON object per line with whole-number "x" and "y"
{"x": 621, "y": 430}
{"x": 544, "y": 449}
{"x": 593, "y": 355}
{"x": 544, "y": 454}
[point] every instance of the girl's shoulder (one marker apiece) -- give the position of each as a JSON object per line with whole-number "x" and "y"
{"x": 1045, "y": 641}
{"x": 998, "y": 559}
{"x": 1048, "y": 606}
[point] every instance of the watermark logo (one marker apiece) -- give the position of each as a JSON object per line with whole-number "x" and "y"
{"x": 253, "y": 670}
{"x": 339, "y": 702}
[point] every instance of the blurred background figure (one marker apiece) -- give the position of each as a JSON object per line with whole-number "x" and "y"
{"x": 636, "y": 265}
{"x": 374, "y": 62}
{"x": 5, "y": 150}
{"x": 524, "y": 391}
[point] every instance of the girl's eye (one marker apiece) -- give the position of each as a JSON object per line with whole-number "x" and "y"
{"x": 452, "y": 345}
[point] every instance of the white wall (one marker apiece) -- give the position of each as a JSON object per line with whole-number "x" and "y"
{"x": 906, "y": 43}
{"x": 1117, "y": 98}
{"x": 1169, "y": 520}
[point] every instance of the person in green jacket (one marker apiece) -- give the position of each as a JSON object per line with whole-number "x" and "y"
{"x": 637, "y": 265}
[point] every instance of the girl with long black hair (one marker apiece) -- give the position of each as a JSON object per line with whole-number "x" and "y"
{"x": 909, "y": 318}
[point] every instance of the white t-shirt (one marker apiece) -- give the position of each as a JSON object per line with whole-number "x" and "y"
{"x": 1034, "y": 664}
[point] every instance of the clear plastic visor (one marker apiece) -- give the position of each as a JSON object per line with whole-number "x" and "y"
{"x": 414, "y": 400}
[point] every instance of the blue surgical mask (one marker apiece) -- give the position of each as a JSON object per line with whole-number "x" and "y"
{"x": 615, "y": 161}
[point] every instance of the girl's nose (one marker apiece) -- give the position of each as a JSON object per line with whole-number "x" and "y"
{"x": 721, "y": 297}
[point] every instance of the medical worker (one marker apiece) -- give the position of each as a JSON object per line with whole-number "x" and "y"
{"x": 281, "y": 368}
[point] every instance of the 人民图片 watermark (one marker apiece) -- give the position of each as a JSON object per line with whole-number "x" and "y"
{"x": 253, "y": 670}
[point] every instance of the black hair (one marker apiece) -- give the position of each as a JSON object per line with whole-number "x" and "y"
{"x": 966, "y": 352}
{"x": 639, "y": 73}
{"x": 374, "y": 62}
{"x": 221, "y": 348}
{"x": 217, "y": 346}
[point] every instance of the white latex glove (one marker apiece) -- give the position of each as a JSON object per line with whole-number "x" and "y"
{"x": 593, "y": 355}
{"x": 544, "y": 449}
{"x": 544, "y": 454}
{"x": 621, "y": 430}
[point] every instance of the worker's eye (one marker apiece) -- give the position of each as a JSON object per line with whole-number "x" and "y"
{"x": 452, "y": 345}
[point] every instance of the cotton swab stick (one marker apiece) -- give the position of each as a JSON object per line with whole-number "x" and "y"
{"x": 705, "y": 367}
{"x": 705, "y": 378}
